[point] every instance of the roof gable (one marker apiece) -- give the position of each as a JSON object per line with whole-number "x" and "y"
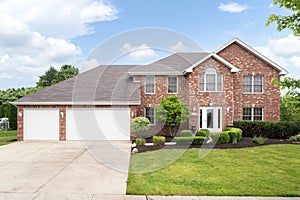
{"x": 281, "y": 70}
{"x": 217, "y": 57}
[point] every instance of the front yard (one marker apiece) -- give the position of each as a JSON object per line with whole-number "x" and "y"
{"x": 272, "y": 170}
{"x": 7, "y": 137}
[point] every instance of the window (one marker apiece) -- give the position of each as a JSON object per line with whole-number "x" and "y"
{"x": 253, "y": 84}
{"x": 149, "y": 113}
{"x": 172, "y": 84}
{"x": 253, "y": 114}
{"x": 211, "y": 81}
{"x": 149, "y": 84}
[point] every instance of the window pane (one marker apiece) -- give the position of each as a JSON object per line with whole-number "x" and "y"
{"x": 210, "y": 119}
{"x": 219, "y": 82}
{"x": 247, "y": 84}
{"x": 219, "y": 118}
{"x": 201, "y": 118}
{"x": 172, "y": 84}
{"x": 150, "y": 115}
{"x": 149, "y": 86}
{"x": 258, "y": 114}
{"x": 201, "y": 82}
{"x": 258, "y": 84}
{"x": 247, "y": 112}
{"x": 210, "y": 82}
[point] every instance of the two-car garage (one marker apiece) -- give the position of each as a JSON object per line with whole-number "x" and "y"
{"x": 78, "y": 123}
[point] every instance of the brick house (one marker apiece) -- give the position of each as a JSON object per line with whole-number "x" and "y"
{"x": 232, "y": 83}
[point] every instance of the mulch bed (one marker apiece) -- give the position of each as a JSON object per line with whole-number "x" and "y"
{"x": 245, "y": 142}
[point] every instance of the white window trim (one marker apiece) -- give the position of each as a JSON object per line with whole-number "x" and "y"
{"x": 146, "y": 85}
{"x": 252, "y": 113}
{"x": 145, "y": 115}
{"x": 252, "y": 85}
{"x": 176, "y": 85}
{"x": 216, "y": 82}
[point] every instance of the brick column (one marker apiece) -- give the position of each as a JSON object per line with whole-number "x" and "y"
{"x": 20, "y": 122}
{"x": 62, "y": 123}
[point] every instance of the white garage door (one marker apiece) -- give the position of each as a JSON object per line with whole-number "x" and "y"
{"x": 98, "y": 124}
{"x": 41, "y": 124}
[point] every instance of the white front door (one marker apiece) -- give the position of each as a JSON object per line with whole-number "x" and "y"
{"x": 211, "y": 118}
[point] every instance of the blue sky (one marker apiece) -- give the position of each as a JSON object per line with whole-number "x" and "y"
{"x": 35, "y": 35}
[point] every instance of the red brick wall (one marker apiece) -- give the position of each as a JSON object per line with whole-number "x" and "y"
{"x": 252, "y": 65}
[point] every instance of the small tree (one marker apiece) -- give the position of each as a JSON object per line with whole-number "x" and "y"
{"x": 140, "y": 125}
{"x": 172, "y": 112}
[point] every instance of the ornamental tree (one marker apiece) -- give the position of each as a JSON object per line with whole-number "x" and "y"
{"x": 172, "y": 112}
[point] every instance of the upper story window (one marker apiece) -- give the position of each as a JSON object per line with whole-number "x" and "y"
{"x": 172, "y": 84}
{"x": 149, "y": 113}
{"x": 253, "y": 114}
{"x": 149, "y": 84}
{"x": 253, "y": 84}
{"x": 211, "y": 81}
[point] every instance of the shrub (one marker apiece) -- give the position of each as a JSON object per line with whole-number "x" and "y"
{"x": 295, "y": 138}
{"x": 140, "y": 141}
{"x": 186, "y": 133}
{"x": 259, "y": 140}
{"x": 159, "y": 140}
{"x": 201, "y": 132}
{"x": 233, "y": 136}
{"x": 239, "y": 132}
{"x": 198, "y": 140}
{"x": 277, "y": 130}
{"x": 224, "y": 137}
{"x": 216, "y": 137}
{"x": 183, "y": 140}
{"x": 140, "y": 125}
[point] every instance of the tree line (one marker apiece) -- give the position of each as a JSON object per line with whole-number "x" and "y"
{"x": 50, "y": 77}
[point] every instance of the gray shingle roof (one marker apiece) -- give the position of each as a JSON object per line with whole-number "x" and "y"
{"x": 104, "y": 85}
{"x": 173, "y": 64}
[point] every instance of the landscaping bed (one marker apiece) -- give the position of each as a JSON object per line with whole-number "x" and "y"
{"x": 243, "y": 143}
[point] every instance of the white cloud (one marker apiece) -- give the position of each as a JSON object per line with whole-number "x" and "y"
{"x": 284, "y": 51}
{"x": 138, "y": 52}
{"x": 232, "y": 7}
{"x": 59, "y": 18}
{"x": 89, "y": 64}
{"x": 178, "y": 47}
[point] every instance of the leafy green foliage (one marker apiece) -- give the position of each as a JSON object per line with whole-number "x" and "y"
{"x": 277, "y": 130}
{"x": 202, "y": 132}
{"x": 53, "y": 76}
{"x": 186, "y": 133}
{"x": 140, "y": 141}
{"x": 295, "y": 138}
{"x": 198, "y": 140}
{"x": 259, "y": 140}
{"x": 172, "y": 112}
{"x": 139, "y": 126}
{"x": 289, "y": 21}
{"x": 183, "y": 140}
{"x": 159, "y": 140}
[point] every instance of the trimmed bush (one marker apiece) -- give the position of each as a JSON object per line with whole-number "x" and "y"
{"x": 159, "y": 140}
{"x": 140, "y": 141}
{"x": 201, "y": 132}
{"x": 186, "y": 133}
{"x": 216, "y": 137}
{"x": 275, "y": 130}
{"x": 295, "y": 138}
{"x": 259, "y": 140}
{"x": 198, "y": 140}
{"x": 225, "y": 138}
{"x": 239, "y": 132}
{"x": 183, "y": 140}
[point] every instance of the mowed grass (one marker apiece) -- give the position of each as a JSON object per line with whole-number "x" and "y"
{"x": 272, "y": 170}
{"x": 7, "y": 137}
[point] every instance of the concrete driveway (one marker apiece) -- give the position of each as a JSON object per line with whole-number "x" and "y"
{"x": 64, "y": 170}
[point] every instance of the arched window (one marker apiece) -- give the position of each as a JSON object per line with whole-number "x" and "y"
{"x": 211, "y": 81}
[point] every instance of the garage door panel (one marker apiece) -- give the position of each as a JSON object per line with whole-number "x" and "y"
{"x": 98, "y": 124}
{"x": 41, "y": 124}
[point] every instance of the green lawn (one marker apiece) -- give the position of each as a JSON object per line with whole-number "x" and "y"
{"x": 7, "y": 137}
{"x": 272, "y": 170}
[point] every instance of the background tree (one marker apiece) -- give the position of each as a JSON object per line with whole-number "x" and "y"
{"x": 290, "y": 21}
{"x": 139, "y": 126}
{"x": 48, "y": 78}
{"x": 172, "y": 112}
{"x": 66, "y": 72}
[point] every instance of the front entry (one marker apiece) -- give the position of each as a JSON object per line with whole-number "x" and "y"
{"x": 211, "y": 118}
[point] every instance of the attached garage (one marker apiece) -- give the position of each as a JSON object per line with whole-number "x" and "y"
{"x": 98, "y": 124}
{"x": 41, "y": 124}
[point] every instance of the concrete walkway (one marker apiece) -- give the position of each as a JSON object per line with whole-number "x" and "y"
{"x": 64, "y": 170}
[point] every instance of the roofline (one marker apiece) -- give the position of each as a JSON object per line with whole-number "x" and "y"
{"x": 93, "y": 103}
{"x": 255, "y": 52}
{"x": 166, "y": 73}
{"x": 233, "y": 68}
